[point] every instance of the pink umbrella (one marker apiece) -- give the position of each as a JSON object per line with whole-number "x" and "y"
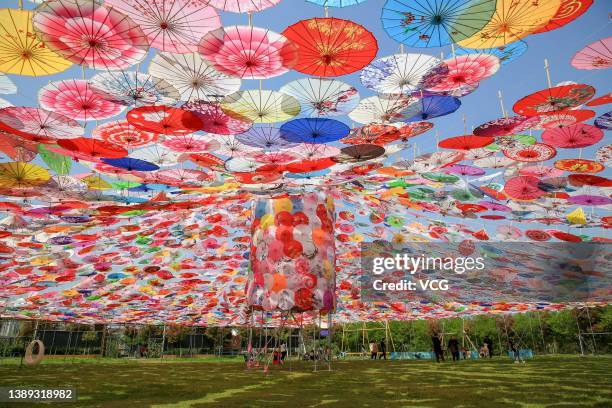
{"x": 495, "y": 206}
{"x": 248, "y": 52}
{"x": 523, "y": 188}
{"x": 589, "y": 200}
{"x": 508, "y": 232}
{"x": 562, "y": 118}
{"x": 597, "y": 55}
{"x": 173, "y": 26}
{"x": 464, "y": 170}
{"x": 540, "y": 171}
{"x": 77, "y": 99}
{"x": 242, "y": 6}
{"x": 87, "y": 33}
{"x": 463, "y": 70}
{"x": 573, "y": 136}
{"x": 215, "y": 120}
{"x": 506, "y": 126}
{"x": 34, "y": 123}
{"x": 191, "y": 143}
{"x": 123, "y": 134}
{"x": 535, "y": 153}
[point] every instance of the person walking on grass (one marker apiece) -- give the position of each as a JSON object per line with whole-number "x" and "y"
{"x": 383, "y": 350}
{"x": 516, "y": 353}
{"x": 453, "y": 347}
{"x": 373, "y": 350}
{"x": 437, "y": 347}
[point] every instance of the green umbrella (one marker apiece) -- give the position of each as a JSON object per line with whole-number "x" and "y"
{"x": 124, "y": 185}
{"x": 441, "y": 177}
{"x": 59, "y": 163}
{"x": 526, "y": 140}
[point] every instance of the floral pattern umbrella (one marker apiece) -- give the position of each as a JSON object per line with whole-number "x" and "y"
{"x": 554, "y": 99}
{"x": 398, "y": 73}
{"x": 38, "y": 124}
{"x": 460, "y": 71}
{"x": 242, "y": 6}
{"x": 123, "y": 134}
{"x": 573, "y": 136}
{"x": 132, "y": 88}
{"x": 597, "y": 55}
{"x": 384, "y": 109}
{"x": 261, "y": 106}
{"x": 322, "y": 97}
{"x": 215, "y": 120}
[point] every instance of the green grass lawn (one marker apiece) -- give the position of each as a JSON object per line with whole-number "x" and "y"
{"x": 566, "y": 381}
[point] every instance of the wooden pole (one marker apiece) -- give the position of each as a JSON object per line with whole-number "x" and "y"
{"x": 546, "y": 68}
{"x": 161, "y": 354}
{"x": 501, "y": 104}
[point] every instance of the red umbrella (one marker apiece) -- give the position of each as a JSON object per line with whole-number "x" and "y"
{"x": 505, "y": 126}
{"x": 257, "y": 177}
{"x": 375, "y": 133}
{"x": 331, "y": 46}
{"x": 215, "y": 120}
{"x": 123, "y": 134}
{"x": 537, "y": 235}
{"x": 465, "y": 142}
{"x": 579, "y": 165}
{"x": 165, "y": 120}
{"x": 308, "y": 166}
{"x": 412, "y": 129}
{"x": 565, "y": 236}
{"x": 554, "y": 99}
{"x": 568, "y": 11}
{"x": 536, "y": 152}
{"x": 573, "y": 136}
{"x": 461, "y": 71}
{"x": 579, "y": 180}
{"x": 88, "y": 149}
{"x": 562, "y": 118}
{"x": 602, "y": 100}
{"x": 206, "y": 160}
{"x": 523, "y": 188}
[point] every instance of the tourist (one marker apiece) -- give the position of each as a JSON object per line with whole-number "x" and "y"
{"x": 383, "y": 350}
{"x": 373, "y": 350}
{"x": 437, "y": 347}
{"x": 516, "y": 353}
{"x": 465, "y": 351}
{"x": 489, "y": 343}
{"x": 453, "y": 347}
{"x": 484, "y": 351}
{"x": 283, "y": 348}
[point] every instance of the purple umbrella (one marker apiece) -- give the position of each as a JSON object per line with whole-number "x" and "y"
{"x": 495, "y": 206}
{"x": 589, "y": 200}
{"x": 464, "y": 170}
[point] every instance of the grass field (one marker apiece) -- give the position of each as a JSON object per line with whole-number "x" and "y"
{"x": 565, "y": 381}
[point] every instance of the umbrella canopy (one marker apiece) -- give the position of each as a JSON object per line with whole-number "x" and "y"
{"x": 579, "y": 165}
{"x": 194, "y": 77}
{"x": 331, "y": 46}
{"x": 322, "y": 97}
{"x": 384, "y": 109}
{"x": 554, "y": 99}
{"x": 573, "y": 136}
{"x": 113, "y": 40}
{"x": 268, "y": 138}
{"x": 523, "y": 188}
{"x": 597, "y": 55}
{"x": 604, "y": 121}
{"x": 248, "y": 52}
{"x": 336, "y": 3}
{"x": 314, "y": 130}
{"x": 604, "y": 155}
{"x": 465, "y": 142}
{"x": 174, "y": 26}
{"x": 21, "y": 51}
{"x": 38, "y": 124}
{"x": 261, "y": 106}
{"x": 92, "y": 149}
{"x": 22, "y": 175}
{"x": 536, "y": 152}
{"x": 164, "y": 120}
{"x": 435, "y": 23}
{"x": 242, "y": 6}
{"x": 568, "y": 11}
{"x": 131, "y": 164}
{"x": 373, "y": 134}
{"x": 430, "y": 107}
{"x": 359, "y": 153}
{"x": 132, "y": 88}
{"x": 505, "y": 126}
{"x": 562, "y": 118}
{"x": 506, "y": 53}
{"x": 460, "y": 71}
{"x": 398, "y": 73}
{"x": 123, "y": 134}
{"x": 215, "y": 120}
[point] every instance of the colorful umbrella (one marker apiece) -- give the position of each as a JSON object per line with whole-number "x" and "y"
{"x": 77, "y": 99}
{"x": 215, "y": 120}
{"x": 131, "y": 164}
{"x": 123, "y": 134}
{"x": 505, "y": 53}
{"x": 554, "y": 99}
{"x": 331, "y": 46}
{"x": 574, "y": 136}
{"x": 505, "y": 126}
{"x": 248, "y": 52}
{"x": 579, "y": 165}
{"x": 242, "y": 6}
{"x": 191, "y": 143}
{"x": 534, "y": 153}
{"x": 580, "y": 180}
{"x": 261, "y": 106}
{"x": 92, "y": 149}
{"x": 87, "y": 33}
{"x": 164, "y": 120}
{"x": 359, "y": 153}
{"x": 511, "y": 21}
{"x": 465, "y": 142}
{"x": 22, "y": 175}
{"x": 398, "y": 73}
{"x": 58, "y": 163}
{"x": 157, "y": 154}
{"x": 537, "y": 235}
{"x": 383, "y": 109}
{"x": 597, "y": 55}
{"x": 523, "y": 188}
{"x": 192, "y": 76}
{"x": 132, "y": 88}
{"x": 174, "y": 26}
{"x": 322, "y": 97}
{"x": 604, "y": 121}
{"x": 430, "y": 107}
{"x": 586, "y": 199}
{"x": 602, "y": 100}
{"x": 6, "y": 85}
{"x": 435, "y": 23}
{"x": 562, "y": 118}
{"x": 604, "y": 155}
{"x": 336, "y": 3}
{"x": 313, "y": 130}
{"x": 568, "y": 11}
{"x": 38, "y": 124}
{"x": 268, "y": 138}
{"x": 372, "y": 134}
{"x": 461, "y": 71}
{"x": 21, "y": 50}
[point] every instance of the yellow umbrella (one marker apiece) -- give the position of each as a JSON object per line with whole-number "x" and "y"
{"x": 21, "y": 52}
{"x": 95, "y": 182}
{"x": 22, "y": 175}
{"x": 512, "y": 20}
{"x": 576, "y": 217}
{"x": 261, "y": 106}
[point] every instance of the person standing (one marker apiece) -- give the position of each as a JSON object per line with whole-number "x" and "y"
{"x": 283, "y": 349}
{"x": 453, "y": 347}
{"x": 373, "y": 350}
{"x": 383, "y": 350}
{"x": 516, "y": 353}
{"x": 437, "y": 347}
{"x": 489, "y": 343}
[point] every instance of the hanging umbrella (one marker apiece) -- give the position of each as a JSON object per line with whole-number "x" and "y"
{"x": 565, "y": 236}
{"x": 22, "y": 175}
{"x": 604, "y": 121}
{"x": 336, "y": 3}
{"x": 568, "y": 11}
{"x": 61, "y": 188}
{"x": 6, "y": 85}
{"x": 540, "y": 171}
{"x": 92, "y": 149}
{"x": 215, "y": 120}
{"x": 435, "y": 23}
{"x": 511, "y": 21}
{"x": 158, "y": 155}
{"x": 372, "y": 134}
{"x": 314, "y": 130}
{"x": 248, "y": 52}
{"x": 132, "y": 88}
{"x": 310, "y": 151}
{"x": 477, "y": 154}
{"x": 562, "y": 118}
{"x": 460, "y": 71}
{"x": 410, "y": 130}
{"x": 398, "y": 73}
{"x": 230, "y": 145}
{"x": 505, "y": 126}
{"x": 383, "y": 109}
{"x": 359, "y": 153}
{"x": 554, "y": 99}
{"x": 174, "y": 26}
{"x": 268, "y": 138}
{"x": 58, "y": 163}
{"x": 523, "y": 188}
{"x": 579, "y": 165}
{"x": 261, "y": 106}
{"x": 242, "y": 6}
{"x": 191, "y": 143}
{"x": 536, "y": 152}
{"x": 577, "y": 217}
{"x": 17, "y": 148}
{"x": 38, "y": 124}
{"x": 164, "y": 120}
{"x": 322, "y": 97}
{"x": 430, "y": 107}
{"x": 21, "y": 50}
{"x": 586, "y": 199}
{"x": 604, "y": 155}
{"x": 494, "y": 162}
{"x": 112, "y": 39}
{"x": 537, "y": 235}
{"x": 331, "y": 46}
{"x": 77, "y": 99}
{"x": 574, "y": 136}
{"x": 192, "y": 76}
{"x": 580, "y": 180}
{"x": 464, "y": 170}
{"x": 123, "y": 134}
{"x": 465, "y": 142}
{"x": 131, "y": 164}
{"x": 278, "y": 157}
{"x": 597, "y": 55}
{"x": 602, "y": 100}
{"x": 505, "y": 53}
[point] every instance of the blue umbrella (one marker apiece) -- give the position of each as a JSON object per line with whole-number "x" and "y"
{"x": 336, "y": 3}
{"x": 604, "y": 121}
{"x": 506, "y": 53}
{"x": 314, "y": 130}
{"x": 308, "y": 175}
{"x": 434, "y": 23}
{"x": 131, "y": 164}
{"x": 264, "y": 137}
{"x": 434, "y": 106}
